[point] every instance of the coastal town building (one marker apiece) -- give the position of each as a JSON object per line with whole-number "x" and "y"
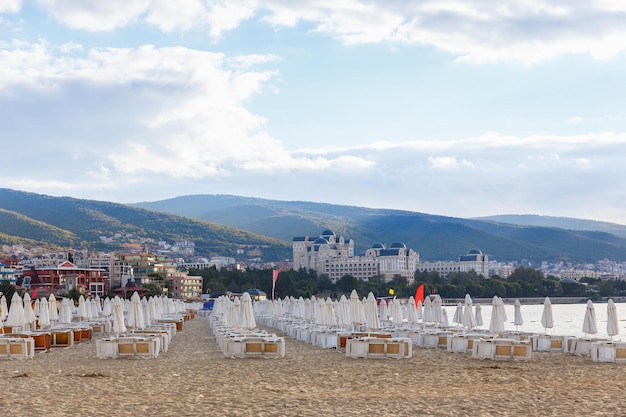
{"x": 137, "y": 267}
{"x": 185, "y": 286}
{"x": 64, "y": 277}
{"x": 333, "y": 256}
{"x": 443, "y": 268}
{"x": 203, "y": 263}
{"x": 312, "y": 253}
{"x": 8, "y": 274}
{"x": 473, "y": 260}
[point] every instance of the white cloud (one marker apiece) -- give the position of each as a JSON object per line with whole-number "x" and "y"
{"x": 223, "y": 15}
{"x": 95, "y": 15}
{"x": 486, "y": 142}
{"x": 176, "y": 15}
{"x": 135, "y": 112}
{"x": 476, "y": 31}
{"x": 445, "y": 162}
{"x": 10, "y": 6}
{"x": 575, "y": 120}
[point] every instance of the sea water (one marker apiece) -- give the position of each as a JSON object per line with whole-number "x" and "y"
{"x": 567, "y": 318}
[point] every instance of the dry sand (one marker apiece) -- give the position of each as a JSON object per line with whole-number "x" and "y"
{"x": 194, "y": 379}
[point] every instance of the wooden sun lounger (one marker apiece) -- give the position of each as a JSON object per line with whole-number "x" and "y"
{"x": 502, "y": 349}
{"x": 128, "y": 346}
{"x": 62, "y": 337}
{"x": 342, "y": 338}
{"x": 550, "y": 343}
{"x": 608, "y": 351}
{"x": 42, "y": 340}
{"x": 17, "y": 347}
{"x": 374, "y": 347}
{"x": 247, "y": 347}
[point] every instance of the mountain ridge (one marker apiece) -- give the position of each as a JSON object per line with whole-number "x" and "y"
{"x": 224, "y": 224}
{"x": 85, "y": 221}
{"x": 569, "y": 223}
{"x": 435, "y": 237}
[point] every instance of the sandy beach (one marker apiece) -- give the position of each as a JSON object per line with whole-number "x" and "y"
{"x": 194, "y": 379}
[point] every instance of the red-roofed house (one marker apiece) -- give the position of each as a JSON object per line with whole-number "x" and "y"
{"x": 66, "y": 276}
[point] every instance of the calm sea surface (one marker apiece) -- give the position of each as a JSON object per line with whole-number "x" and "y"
{"x": 568, "y": 318}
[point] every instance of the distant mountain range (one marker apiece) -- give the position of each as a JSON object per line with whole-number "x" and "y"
{"x": 64, "y": 222}
{"x": 568, "y": 223}
{"x": 434, "y": 237}
{"x": 224, "y": 223}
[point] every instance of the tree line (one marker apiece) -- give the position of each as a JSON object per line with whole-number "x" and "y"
{"x": 523, "y": 282}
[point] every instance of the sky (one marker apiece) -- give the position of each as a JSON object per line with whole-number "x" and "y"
{"x": 449, "y": 107}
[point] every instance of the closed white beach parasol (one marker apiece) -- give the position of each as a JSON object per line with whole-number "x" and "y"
{"x": 65, "y": 314}
{"x": 411, "y": 311}
{"x": 320, "y": 312}
{"x": 612, "y": 327}
{"x": 330, "y": 319}
{"x": 436, "y": 310}
{"x": 135, "y": 319}
{"x": 503, "y": 309}
{"x": 298, "y": 307}
{"x": 147, "y": 311}
{"x": 443, "y": 321}
{"x": 96, "y": 307}
{"x": 496, "y": 325}
{"x": 106, "y": 307}
{"x": 458, "y": 314}
{"x": 517, "y": 314}
{"x": 53, "y": 308}
{"x": 397, "y": 315}
{"x": 420, "y": 310}
{"x": 82, "y": 308}
{"x": 44, "y": 313}
{"x": 16, "y": 312}
{"x": 343, "y": 312}
{"x": 371, "y": 312}
{"x": 469, "y": 321}
{"x": 234, "y": 319}
{"x": 278, "y": 307}
{"x": 589, "y": 322}
{"x": 383, "y": 310}
{"x": 357, "y": 310}
{"x": 308, "y": 310}
{"x": 428, "y": 311}
{"x": 4, "y": 309}
{"x": 246, "y": 313}
{"x": 29, "y": 313}
{"x": 478, "y": 315}
{"x": 546, "y": 315}
{"x": 117, "y": 311}
{"x": 154, "y": 308}
{"x": 89, "y": 309}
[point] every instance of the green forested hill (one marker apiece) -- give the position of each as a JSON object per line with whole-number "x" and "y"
{"x": 65, "y": 221}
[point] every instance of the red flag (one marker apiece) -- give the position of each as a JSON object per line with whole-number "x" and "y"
{"x": 274, "y": 278}
{"x": 419, "y": 294}
{"x": 34, "y": 293}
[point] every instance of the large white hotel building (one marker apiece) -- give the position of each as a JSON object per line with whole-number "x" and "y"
{"x": 333, "y": 256}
